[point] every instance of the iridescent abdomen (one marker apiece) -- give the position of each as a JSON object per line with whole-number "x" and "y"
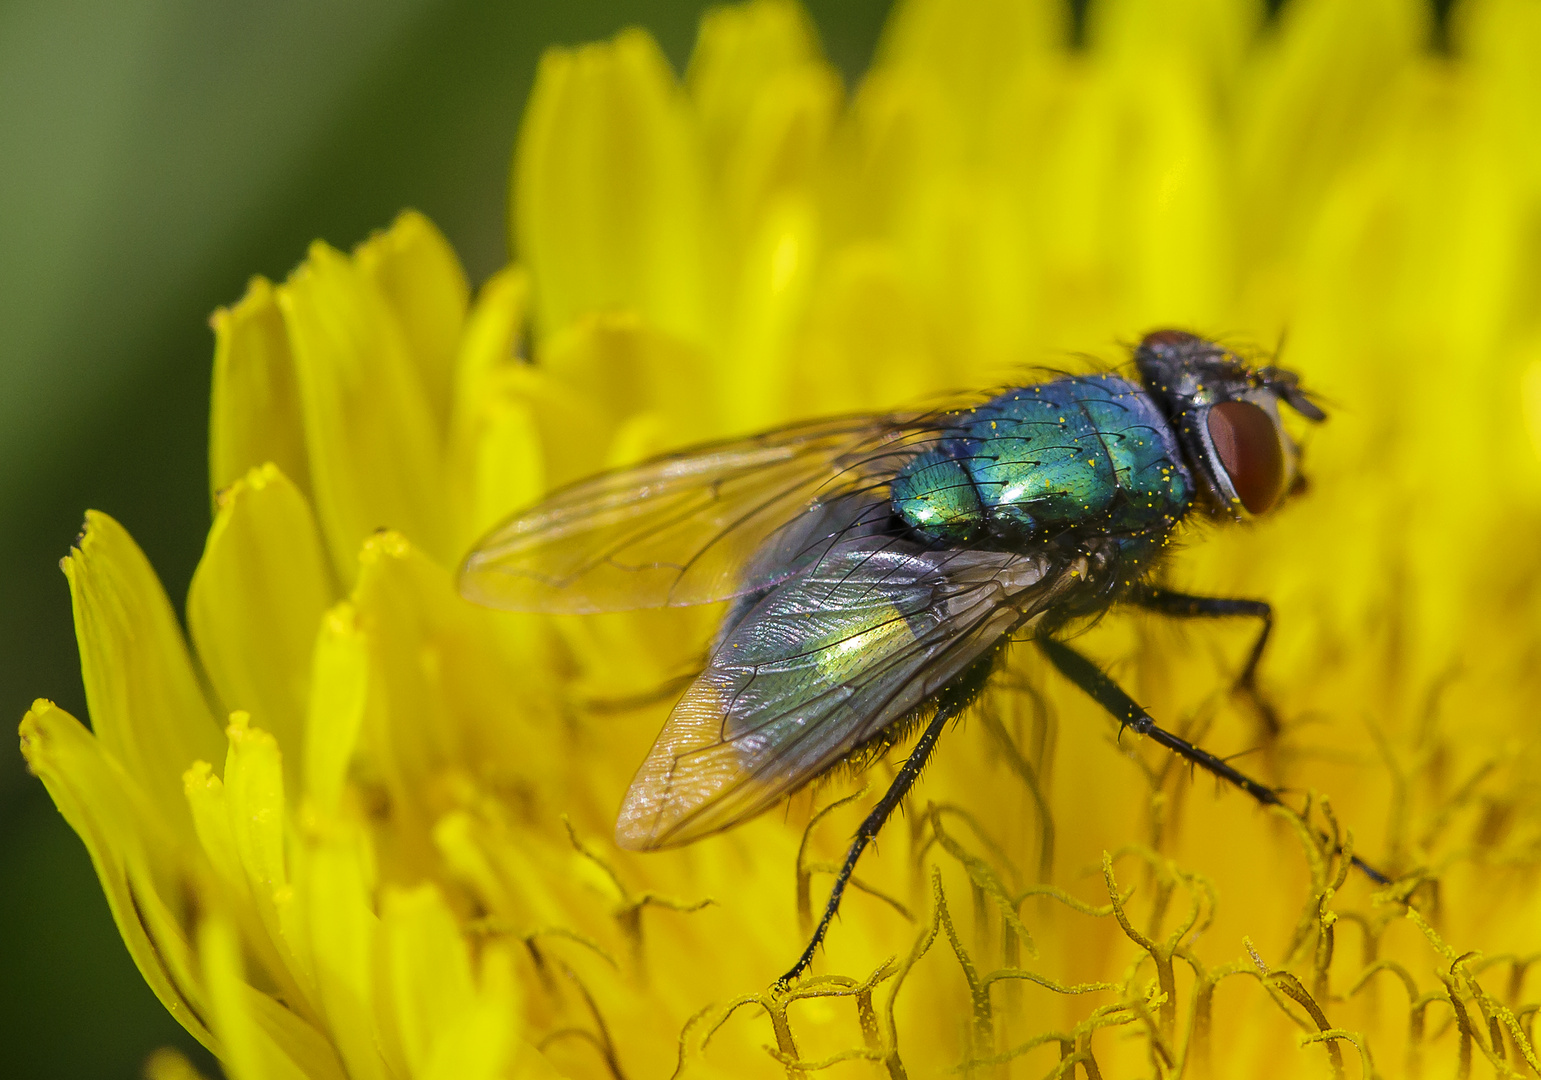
{"x": 1088, "y": 452}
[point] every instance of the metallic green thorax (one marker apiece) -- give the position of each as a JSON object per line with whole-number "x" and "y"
{"x": 1079, "y": 454}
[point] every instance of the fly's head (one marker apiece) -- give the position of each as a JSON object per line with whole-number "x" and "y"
{"x": 1226, "y": 418}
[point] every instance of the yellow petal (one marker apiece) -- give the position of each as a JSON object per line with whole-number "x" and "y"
{"x": 252, "y": 908}
{"x": 768, "y": 103}
{"x": 476, "y": 1045}
{"x": 132, "y": 850}
{"x": 408, "y": 730}
{"x": 967, "y": 258}
{"x": 508, "y": 471}
{"x": 868, "y": 345}
{"x": 254, "y": 798}
{"x": 254, "y": 413}
{"x": 1315, "y": 104}
{"x": 619, "y": 365}
{"x": 623, "y": 655}
{"x": 261, "y": 1040}
{"x": 420, "y": 276}
{"x": 970, "y": 48}
{"x": 1499, "y": 39}
{"x": 443, "y": 696}
{"x": 467, "y": 863}
{"x": 243, "y": 1051}
{"x": 376, "y": 458}
{"x": 558, "y": 416}
{"x": 776, "y": 279}
{"x": 494, "y": 340}
{"x": 211, "y": 818}
{"x": 495, "y": 463}
{"x": 534, "y": 427}
{"x": 1205, "y": 36}
{"x": 1530, "y": 397}
{"x": 1106, "y": 177}
{"x": 779, "y": 146}
{"x": 428, "y": 971}
{"x": 639, "y": 437}
{"x": 898, "y": 139}
{"x": 551, "y": 405}
{"x": 146, "y": 705}
{"x": 333, "y": 887}
{"x": 1167, "y": 196}
{"x": 479, "y": 1042}
{"x": 168, "y": 1064}
{"x": 608, "y": 190}
{"x": 739, "y": 50}
{"x": 256, "y": 600}
{"x": 339, "y": 683}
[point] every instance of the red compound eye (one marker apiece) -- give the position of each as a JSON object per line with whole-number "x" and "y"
{"x": 1247, "y": 444}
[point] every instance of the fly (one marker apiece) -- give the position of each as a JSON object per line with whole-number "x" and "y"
{"x": 878, "y": 565}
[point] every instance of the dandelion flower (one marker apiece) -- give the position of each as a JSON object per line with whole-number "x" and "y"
{"x": 354, "y": 826}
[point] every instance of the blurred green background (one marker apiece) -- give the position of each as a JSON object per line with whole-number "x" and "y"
{"x": 156, "y": 154}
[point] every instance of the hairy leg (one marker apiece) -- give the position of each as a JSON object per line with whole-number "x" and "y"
{"x": 1179, "y": 605}
{"x": 1105, "y": 692}
{"x": 873, "y": 823}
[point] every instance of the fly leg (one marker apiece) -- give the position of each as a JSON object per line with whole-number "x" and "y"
{"x": 1184, "y": 606}
{"x": 1105, "y": 692}
{"x": 948, "y": 708}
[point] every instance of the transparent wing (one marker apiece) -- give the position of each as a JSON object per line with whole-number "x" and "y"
{"x": 708, "y": 524}
{"x": 825, "y": 661}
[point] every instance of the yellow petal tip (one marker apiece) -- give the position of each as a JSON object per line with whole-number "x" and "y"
{"x": 200, "y": 774}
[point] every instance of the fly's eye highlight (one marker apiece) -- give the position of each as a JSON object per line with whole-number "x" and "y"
{"x": 1248, "y": 446}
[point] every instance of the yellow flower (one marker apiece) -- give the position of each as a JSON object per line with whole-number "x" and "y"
{"x": 362, "y": 828}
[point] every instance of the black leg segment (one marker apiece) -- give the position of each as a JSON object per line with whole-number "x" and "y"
{"x": 947, "y": 708}
{"x": 1185, "y": 606}
{"x": 1105, "y": 692}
